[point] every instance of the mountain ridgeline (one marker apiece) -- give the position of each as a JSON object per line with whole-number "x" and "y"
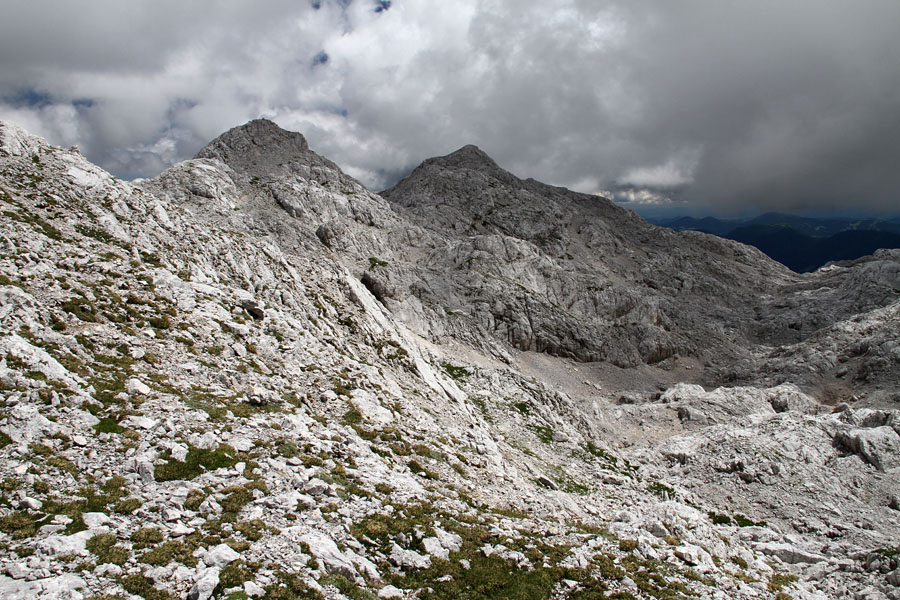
{"x": 252, "y": 377}
{"x": 802, "y": 244}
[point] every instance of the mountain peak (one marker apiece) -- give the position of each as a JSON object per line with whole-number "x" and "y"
{"x": 258, "y": 146}
{"x": 468, "y": 157}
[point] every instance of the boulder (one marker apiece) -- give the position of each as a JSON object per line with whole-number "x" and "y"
{"x": 205, "y": 584}
{"x": 136, "y": 387}
{"x": 878, "y": 446}
{"x": 220, "y": 556}
{"x": 332, "y": 559}
{"x": 253, "y": 309}
{"x": 408, "y": 559}
{"x": 788, "y": 553}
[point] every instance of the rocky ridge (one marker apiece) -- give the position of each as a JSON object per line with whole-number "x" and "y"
{"x": 252, "y": 377}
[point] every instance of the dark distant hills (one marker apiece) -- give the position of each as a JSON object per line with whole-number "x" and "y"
{"x": 800, "y": 243}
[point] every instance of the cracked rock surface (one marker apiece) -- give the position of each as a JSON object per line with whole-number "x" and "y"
{"x": 251, "y": 377}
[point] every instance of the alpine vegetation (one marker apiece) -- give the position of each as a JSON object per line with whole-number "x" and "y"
{"x": 251, "y": 377}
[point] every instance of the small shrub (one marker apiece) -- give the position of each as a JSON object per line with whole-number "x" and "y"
{"x": 194, "y": 499}
{"x": 139, "y": 585}
{"x": 719, "y": 519}
{"x": 104, "y": 547}
{"x": 779, "y": 580}
{"x": 126, "y": 507}
{"x": 171, "y": 551}
{"x": 742, "y": 521}
{"x": 109, "y": 425}
{"x": 18, "y": 525}
{"x": 160, "y": 322}
{"x": 80, "y": 308}
{"x": 290, "y": 587}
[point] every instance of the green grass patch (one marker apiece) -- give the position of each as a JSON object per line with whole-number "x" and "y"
{"x": 778, "y": 581}
{"x": 348, "y": 588}
{"x": 719, "y": 518}
{"x": 81, "y": 308}
{"x": 19, "y": 525}
{"x": 661, "y": 490}
{"x": 289, "y": 586}
{"x": 455, "y": 372}
{"x": 197, "y": 461}
{"x": 139, "y": 585}
{"x": 543, "y": 433}
{"x": 104, "y": 547}
{"x": 109, "y": 425}
{"x": 171, "y": 551}
{"x": 742, "y": 521}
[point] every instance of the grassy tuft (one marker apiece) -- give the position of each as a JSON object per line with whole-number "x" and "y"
{"x": 197, "y": 461}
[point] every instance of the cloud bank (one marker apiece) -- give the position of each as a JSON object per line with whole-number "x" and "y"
{"x": 719, "y": 106}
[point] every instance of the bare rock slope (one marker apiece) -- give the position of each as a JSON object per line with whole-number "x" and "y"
{"x": 252, "y": 377}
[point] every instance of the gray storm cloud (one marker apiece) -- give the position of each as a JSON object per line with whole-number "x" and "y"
{"x": 722, "y": 105}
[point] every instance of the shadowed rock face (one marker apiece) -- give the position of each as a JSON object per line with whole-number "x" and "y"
{"x": 473, "y": 253}
{"x": 575, "y": 275}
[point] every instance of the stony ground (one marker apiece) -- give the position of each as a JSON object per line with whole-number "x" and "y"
{"x": 202, "y": 397}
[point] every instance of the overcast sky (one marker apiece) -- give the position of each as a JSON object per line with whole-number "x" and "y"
{"x": 713, "y": 105}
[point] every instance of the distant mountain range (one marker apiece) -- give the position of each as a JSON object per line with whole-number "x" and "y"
{"x": 800, "y": 243}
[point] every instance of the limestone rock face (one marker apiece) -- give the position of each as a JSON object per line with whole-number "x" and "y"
{"x": 550, "y": 270}
{"x": 252, "y": 376}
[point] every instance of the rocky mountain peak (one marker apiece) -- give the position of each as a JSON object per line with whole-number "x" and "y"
{"x": 468, "y": 157}
{"x": 260, "y": 147}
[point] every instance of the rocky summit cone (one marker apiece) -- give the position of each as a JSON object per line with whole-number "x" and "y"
{"x": 251, "y": 377}
{"x": 254, "y": 143}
